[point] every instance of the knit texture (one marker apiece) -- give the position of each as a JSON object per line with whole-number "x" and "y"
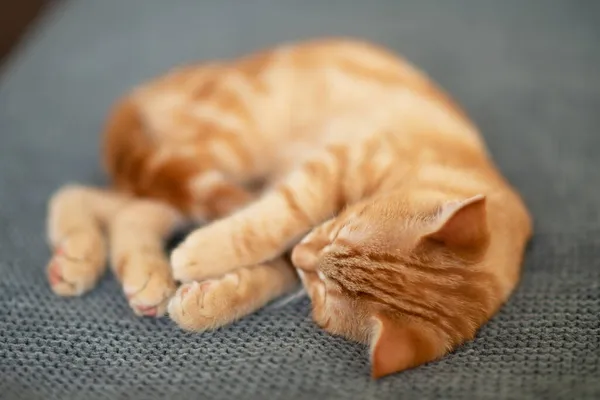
{"x": 527, "y": 71}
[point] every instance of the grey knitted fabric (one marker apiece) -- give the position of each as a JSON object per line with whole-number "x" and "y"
{"x": 528, "y": 73}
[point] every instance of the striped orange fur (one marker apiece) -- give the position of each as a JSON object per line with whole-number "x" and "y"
{"x": 402, "y": 230}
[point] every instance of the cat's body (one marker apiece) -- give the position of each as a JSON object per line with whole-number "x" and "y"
{"x": 428, "y": 241}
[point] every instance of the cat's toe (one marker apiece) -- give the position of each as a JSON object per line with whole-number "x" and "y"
{"x": 147, "y": 284}
{"x": 183, "y": 263}
{"x": 200, "y": 306}
{"x": 61, "y": 285}
{"x": 187, "y": 265}
{"x": 197, "y": 258}
{"x": 76, "y": 266}
{"x": 151, "y": 301}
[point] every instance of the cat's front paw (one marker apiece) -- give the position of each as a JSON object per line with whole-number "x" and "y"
{"x": 199, "y": 306}
{"x": 183, "y": 264}
{"x": 77, "y": 263}
{"x": 147, "y": 283}
{"x": 198, "y": 258}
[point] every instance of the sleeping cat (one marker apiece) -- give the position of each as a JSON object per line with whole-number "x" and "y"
{"x": 400, "y": 227}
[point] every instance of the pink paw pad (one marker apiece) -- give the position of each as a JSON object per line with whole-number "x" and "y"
{"x": 202, "y": 286}
{"x": 54, "y": 275}
{"x": 148, "y": 311}
{"x": 184, "y": 291}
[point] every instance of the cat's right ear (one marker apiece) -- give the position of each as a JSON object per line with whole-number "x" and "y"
{"x": 461, "y": 224}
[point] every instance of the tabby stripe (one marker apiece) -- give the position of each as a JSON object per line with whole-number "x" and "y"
{"x": 207, "y": 89}
{"x": 365, "y": 168}
{"x": 252, "y": 67}
{"x": 390, "y": 258}
{"x": 221, "y": 119}
{"x": 409, "y": 79}
{"x": 423, "y": 312}
{"x": 244, "y": 89}
{"x": 414, "y": 314}
{"x": 229, "y": 139}
{"x": 349, "y": 254}
{"x": 294, "y": 206}
{"x": 242, "y": 242}
{"x": 448, "y": 321}
{"x": 340, "y": 155}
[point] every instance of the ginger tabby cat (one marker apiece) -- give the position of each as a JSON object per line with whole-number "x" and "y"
{"x": 403, "y": 232}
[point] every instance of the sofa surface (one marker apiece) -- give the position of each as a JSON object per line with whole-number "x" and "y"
{"x": 526, "y": 71}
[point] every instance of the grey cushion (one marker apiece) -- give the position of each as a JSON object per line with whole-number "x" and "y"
{"x": 527, "y": 71}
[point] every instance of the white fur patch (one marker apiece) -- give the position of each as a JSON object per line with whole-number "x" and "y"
{"x": 206, "y": 182}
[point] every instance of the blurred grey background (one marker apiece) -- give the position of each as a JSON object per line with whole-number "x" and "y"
{"x": 527, "y": 71}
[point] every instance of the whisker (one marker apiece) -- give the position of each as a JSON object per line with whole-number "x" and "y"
{"x": 288, "y": 299}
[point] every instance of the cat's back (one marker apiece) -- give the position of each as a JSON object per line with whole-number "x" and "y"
{"x": 281, "y": 89}
{"x": 334, "y": 75}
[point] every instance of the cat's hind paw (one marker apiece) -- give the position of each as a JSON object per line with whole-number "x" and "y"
{"x": 147, "y": 283}
{"x": 77, "y": 264}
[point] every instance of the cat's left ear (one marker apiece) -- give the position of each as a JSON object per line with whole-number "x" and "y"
{"x": 390, "y": 350}
{"x": 461, "y": 223}
{"x": 397, "y": 346}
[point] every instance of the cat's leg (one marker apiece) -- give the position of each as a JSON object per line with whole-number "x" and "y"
{"x": 212, "y": 303}
{"x": 209, "y": 304}
{"x": 215, "y": 196}
{"x": 137, "y": 236}
{"x": 76, "y": 216}
{"x": 267, "y": 227}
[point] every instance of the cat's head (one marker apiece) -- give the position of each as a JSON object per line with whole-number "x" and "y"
{"x": 403, "y": 278}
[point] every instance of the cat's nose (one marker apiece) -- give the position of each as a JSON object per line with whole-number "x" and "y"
{"x": 304, "y": 257}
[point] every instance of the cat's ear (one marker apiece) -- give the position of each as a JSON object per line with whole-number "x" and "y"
{"x": 397, "y": 346}
{"x": 392, "y": 347}
{"x": 461, "y": 224}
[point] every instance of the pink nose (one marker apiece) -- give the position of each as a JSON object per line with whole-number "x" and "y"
{"x": 305, "y": 258}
